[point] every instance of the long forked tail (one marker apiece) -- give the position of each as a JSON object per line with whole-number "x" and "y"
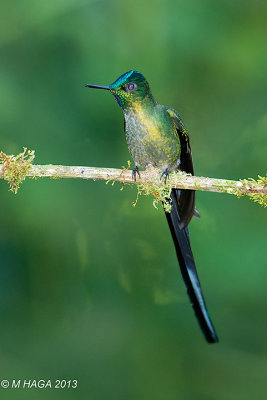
{"x": 188, "y": 269}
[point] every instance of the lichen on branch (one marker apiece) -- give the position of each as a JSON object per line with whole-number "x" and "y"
{"x": 160, "y": 192}
{"x": 16, "y": 168}
{"x": 260, "y": 198}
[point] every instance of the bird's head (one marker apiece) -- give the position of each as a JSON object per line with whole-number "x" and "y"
{"x": 131, "y": 87}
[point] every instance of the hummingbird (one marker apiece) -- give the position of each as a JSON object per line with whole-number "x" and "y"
{"x": 156, "y": 135}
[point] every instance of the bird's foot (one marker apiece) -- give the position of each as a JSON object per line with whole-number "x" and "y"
{"x": 135, "y": 171}
{"x": 165, "y": 174}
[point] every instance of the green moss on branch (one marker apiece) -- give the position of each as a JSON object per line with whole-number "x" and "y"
{"x": 16, "y": 168}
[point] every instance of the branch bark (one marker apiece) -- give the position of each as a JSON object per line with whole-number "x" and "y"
{"x": 177, "y": 180}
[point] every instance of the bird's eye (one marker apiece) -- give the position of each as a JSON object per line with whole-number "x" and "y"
{"x": 131, "y": 86}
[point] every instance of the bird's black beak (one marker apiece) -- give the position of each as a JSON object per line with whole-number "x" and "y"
{"x": 97, "y": 87}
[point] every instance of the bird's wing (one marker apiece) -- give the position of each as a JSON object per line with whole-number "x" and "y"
{"x": 185, "y": 198}
{"x": 186, "y": 162}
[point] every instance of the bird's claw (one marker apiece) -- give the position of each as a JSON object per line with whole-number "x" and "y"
{"x": 134, "y": 172}
{"x": 165, "y": 174}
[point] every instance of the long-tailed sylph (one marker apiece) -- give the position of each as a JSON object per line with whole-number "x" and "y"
{"x": 156, "y": 135}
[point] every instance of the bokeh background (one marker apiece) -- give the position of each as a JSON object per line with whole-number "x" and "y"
{"x": 90, "y": 288}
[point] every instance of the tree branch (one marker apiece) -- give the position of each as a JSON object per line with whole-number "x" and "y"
{"x": 177, "y": 180}
{"x": 16, "y": 168}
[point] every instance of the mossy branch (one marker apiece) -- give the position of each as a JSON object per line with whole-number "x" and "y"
{"x": 16, "y": 168}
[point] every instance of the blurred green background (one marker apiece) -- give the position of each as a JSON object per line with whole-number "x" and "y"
{"x": 90, "y": 286}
